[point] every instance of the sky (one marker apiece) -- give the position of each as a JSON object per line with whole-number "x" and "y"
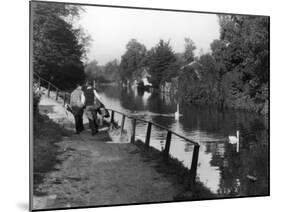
{"x": 112, "y": 28}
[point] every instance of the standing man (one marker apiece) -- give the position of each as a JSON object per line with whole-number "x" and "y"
{"x": 77, "y": 101}
{"x": 92, "y": 104}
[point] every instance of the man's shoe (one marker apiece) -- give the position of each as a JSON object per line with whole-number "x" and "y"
{"x": 95, "y": 132}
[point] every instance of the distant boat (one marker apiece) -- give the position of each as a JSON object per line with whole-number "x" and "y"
{"x": 234, "y": 140}
{"x": 143, "y": 85}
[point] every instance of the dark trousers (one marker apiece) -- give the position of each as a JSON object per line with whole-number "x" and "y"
{"x": 91, "y": 113}
{"x": 78, "y": 116}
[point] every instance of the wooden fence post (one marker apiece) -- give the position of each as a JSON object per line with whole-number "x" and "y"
{"x": 148, "y": 132}
{"x": 49, "y": 86}
{"x": 112, "y": 117}
{"x": 167, "y": 146}
{"x": 57, "y": 94}
{"x": 64, "y": 98}
{"x": 193, "y": 168}
{"x": 123, "y": 123}
{"x": 68, "y": 99}
{"x": 39, "y": 83}
{"x": 133, "y": 131}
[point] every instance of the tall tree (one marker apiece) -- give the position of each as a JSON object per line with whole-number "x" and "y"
{"x": 247, "y": 51}
{"x": 58, "y": 48}
{"x": 189, "y": 48}
{"x": 93, "y": 71}
{"x": 159, "y": 60}
{"x": 235, "y": 74}
{"x": 132, "y": 60}
{"x": 242, "y": 58}
{"x": 111, "y": 71}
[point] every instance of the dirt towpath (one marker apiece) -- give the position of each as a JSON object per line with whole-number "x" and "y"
{"x": 95, "y": 171}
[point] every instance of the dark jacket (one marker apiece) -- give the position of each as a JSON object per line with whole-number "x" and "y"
{"x": 91, "y": 100}
{"x": 89, "y": 96}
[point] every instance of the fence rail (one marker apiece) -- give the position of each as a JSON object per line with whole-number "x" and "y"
{"x": 65, "y": 96}
{"x": 166, "y": 151}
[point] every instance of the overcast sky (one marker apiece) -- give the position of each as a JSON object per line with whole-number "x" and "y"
{"x": 112, "y": 28}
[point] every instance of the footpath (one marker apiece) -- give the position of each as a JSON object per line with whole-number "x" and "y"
{"x": 97, "y": 171}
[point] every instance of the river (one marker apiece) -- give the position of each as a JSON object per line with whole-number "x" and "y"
{"x": 222, "y": 169}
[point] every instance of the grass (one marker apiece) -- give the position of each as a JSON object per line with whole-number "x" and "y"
{"x": 47, "y": 134}
{"x": 45, "y": 151}
{"x": 176, "y": 172}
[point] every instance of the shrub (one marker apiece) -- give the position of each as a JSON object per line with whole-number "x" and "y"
{"x": 36, "y": 98}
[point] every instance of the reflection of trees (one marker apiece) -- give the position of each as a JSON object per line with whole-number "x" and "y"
{"x": 251, "y": 160}
{"x": 212, "y": 120}
{"x": 188, "y": 147}
{"x": 157, "y": 105}
{"x": 112, "y": 92}
{"x": 164, "y": 121}
{"x": 130, "y": 101}
{"x": 167, "y": 99}
{"x": 234, "y": 167}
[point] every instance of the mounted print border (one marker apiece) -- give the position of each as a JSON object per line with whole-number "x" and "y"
{"x": 134, "y": 105}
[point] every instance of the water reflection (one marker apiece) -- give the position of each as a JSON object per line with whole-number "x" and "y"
{"x": 220, "y": 168}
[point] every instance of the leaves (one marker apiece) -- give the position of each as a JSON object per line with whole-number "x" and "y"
{"x": 160, "y": 59}
{"x": 133, "y": 59}
{"x": 189, "y": 50}
{"x": 236, "y": 72}
{"x": 58, "y": 48}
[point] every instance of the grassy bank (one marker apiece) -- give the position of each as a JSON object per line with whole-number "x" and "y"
{"x": 46, "y": 134}
{"x": 176, "y": 172}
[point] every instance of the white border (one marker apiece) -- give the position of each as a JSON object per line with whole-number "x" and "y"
{"x": 15, "y": 113}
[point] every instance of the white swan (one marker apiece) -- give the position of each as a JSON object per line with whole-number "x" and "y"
{"x": 177, "y": 113}
{"x": 234, "y": 140}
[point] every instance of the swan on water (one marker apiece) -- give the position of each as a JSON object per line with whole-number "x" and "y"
{"x": 234, "y": 140}
{"x": 177, "y": 113}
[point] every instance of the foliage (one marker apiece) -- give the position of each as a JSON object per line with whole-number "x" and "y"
{"x": 189, "y": 48}
{"x": 93, "y": 70}
{"x": 132, "y": 60}
{"x": 36, "y": 97}
{"x": 58, "y": 48}
{"x": 160, "y": 58}
{"x": 111, "y": 71}
{"x": 46, "y": 135}
{"x": 246, "y": 55}
{"x": 247, "y": 46}
{"x": 107, "y": 73}
{"x": 171, "y": 72}
{"x": 235, "y": 74}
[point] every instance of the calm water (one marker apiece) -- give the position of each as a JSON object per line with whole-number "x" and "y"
{"x": 220, "y": 167}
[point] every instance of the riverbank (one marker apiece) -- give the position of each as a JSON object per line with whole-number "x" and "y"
{"x": 242, "y": 103}
{"x": 46, "y": 134}
{"x": 84, "y": 170}
{"x": 176, "y": 172}
{"x": 202, "y": 96}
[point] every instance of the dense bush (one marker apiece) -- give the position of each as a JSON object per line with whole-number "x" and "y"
{"x": 235, "y": 74}
{"x": 36, "y": 98}
{"x": 58, "y": 48}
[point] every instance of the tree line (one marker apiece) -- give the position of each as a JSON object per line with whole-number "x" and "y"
{"x": 234, "y": 74}
{"x": 59, "y": 48}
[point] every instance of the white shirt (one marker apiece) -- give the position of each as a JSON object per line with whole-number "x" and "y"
{"x": 83, "y": 99}
{"x": 97, "y": 95}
